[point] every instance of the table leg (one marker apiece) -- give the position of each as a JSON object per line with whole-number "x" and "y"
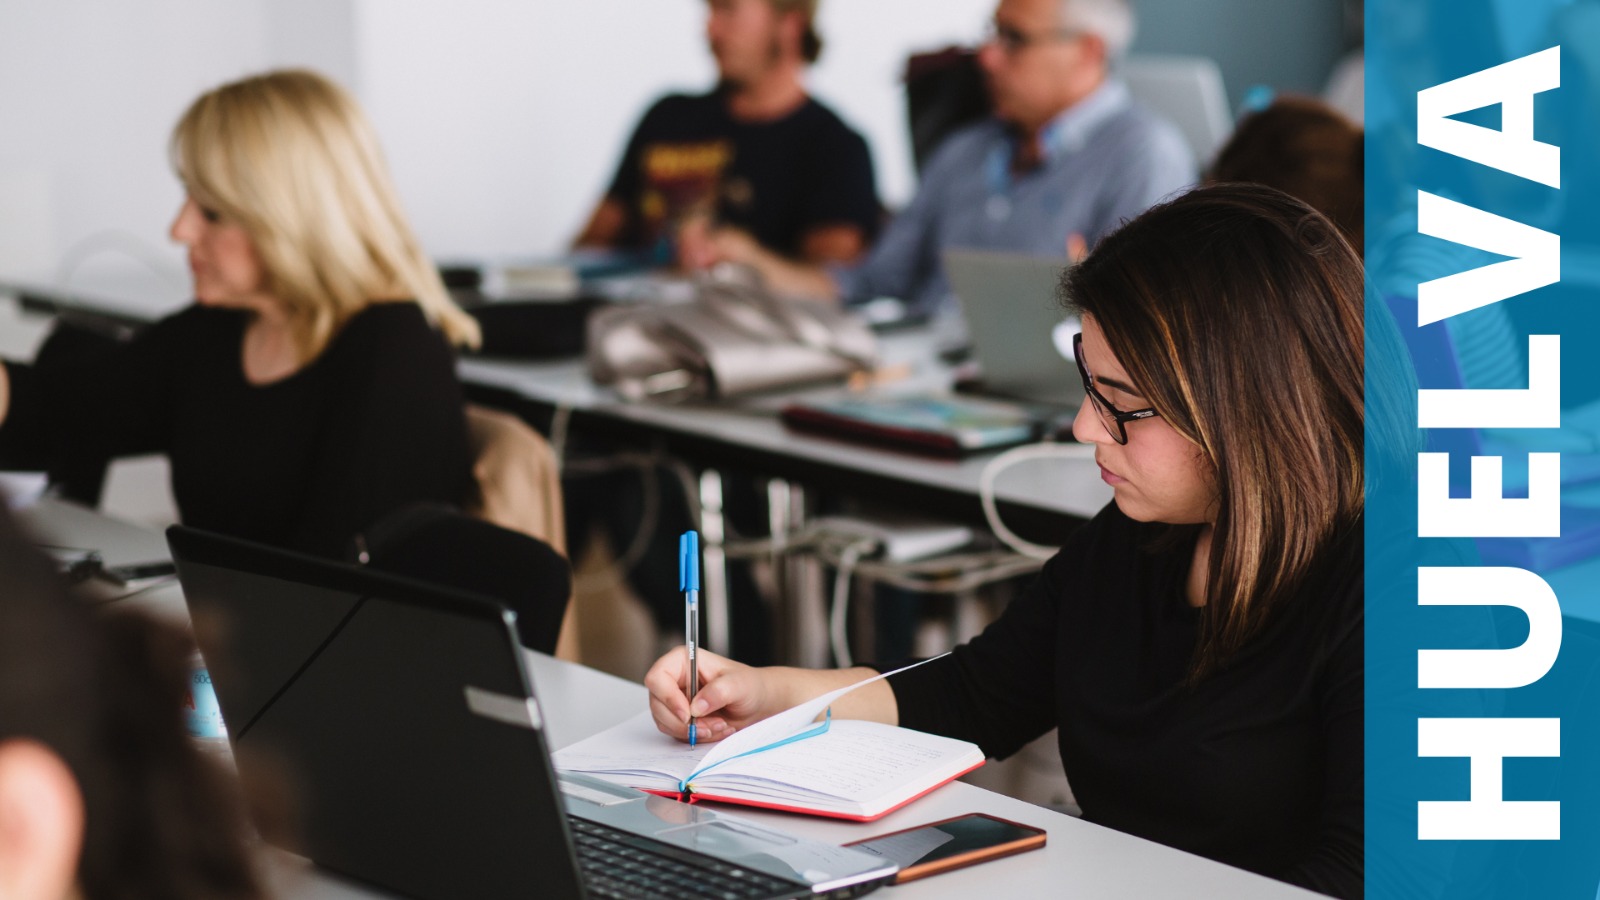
{"x": 801, "y": 613}
{"x": 714, "y": 565}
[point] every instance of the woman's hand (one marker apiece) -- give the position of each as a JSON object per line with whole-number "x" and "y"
{"x": 732, "y": 695}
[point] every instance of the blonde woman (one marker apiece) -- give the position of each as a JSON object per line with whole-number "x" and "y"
{"x": 311, "y": 388}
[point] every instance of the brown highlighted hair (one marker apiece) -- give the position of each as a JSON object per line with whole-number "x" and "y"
{"x": 1237, "y": 311}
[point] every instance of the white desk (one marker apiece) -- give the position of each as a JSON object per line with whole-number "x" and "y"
{"x": 747, "y": 432}
{"x": 1071, "y": 487}
{"x": 1084, "y": 859}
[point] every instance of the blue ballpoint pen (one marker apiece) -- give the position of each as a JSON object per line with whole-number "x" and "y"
{"x": 689, "y": 583}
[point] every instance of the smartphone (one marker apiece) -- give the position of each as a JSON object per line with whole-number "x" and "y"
{"x": 951, "y": 844}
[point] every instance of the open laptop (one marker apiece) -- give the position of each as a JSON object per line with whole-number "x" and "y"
{"x": 1021, "y": 338}
{"x": 397, "y": 725}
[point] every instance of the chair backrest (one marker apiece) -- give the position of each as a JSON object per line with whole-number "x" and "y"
{"x": 438, "y": 545}
{"x": 944, "y": 91}
{"x": 1187, "y": 91}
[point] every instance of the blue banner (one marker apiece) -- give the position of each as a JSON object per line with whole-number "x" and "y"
{"x": 1483, "y": 448}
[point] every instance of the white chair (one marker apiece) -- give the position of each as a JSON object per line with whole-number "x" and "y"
{"x": 1188, "y": 92}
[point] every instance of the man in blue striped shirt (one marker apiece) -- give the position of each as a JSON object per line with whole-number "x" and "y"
{"x": 1065, "y": 157}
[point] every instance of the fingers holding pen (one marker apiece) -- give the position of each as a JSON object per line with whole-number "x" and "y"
{"x": 718, "y": 705}
{"x": 707, "y": 728}
{"x": 668, "y": 684}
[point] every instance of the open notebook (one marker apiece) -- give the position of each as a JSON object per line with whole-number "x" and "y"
{"x": 844, "y": 768}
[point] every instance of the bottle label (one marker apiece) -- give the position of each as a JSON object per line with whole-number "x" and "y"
{"x": 200, "y": 705}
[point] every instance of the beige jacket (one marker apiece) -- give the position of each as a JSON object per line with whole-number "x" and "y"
{"x": 519, "y": 487}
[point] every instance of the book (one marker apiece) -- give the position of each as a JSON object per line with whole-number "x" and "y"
{"x": 940, "y": 425}
{"x": 840, "y": 768}
{"x": 563, "y": 276}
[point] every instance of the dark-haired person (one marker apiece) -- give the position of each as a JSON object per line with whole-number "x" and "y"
{"x": 756, "y": 160}
{"x": 1308, "y": 150}
{"x": 1199, "y": 642}
{"x": 756, "y": 156}
{"x": 102, "y": 793}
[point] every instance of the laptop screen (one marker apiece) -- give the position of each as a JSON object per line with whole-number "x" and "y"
{"x": 373, "y": 732}
{"x": 1020, "y": 334}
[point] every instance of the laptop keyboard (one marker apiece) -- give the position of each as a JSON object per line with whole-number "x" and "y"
{"x": 616, "y": 864}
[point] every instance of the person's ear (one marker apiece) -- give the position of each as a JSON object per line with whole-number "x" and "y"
{"x": 1096, "y": 51}
{"x": 41, "y": 823}
{"x": 793, "y": 29}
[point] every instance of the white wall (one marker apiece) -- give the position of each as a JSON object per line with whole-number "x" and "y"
{"x": 502, "y": 119}
{"x": 89, "y": 91}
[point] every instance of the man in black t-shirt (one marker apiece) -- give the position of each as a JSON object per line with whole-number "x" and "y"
{"x": 755, "y": 154}
{"x": 758, "y": 158}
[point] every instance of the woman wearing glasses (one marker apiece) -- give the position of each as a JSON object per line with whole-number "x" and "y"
{"x": 1199, "y": 642}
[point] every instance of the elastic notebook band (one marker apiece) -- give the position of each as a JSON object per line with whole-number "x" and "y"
{"x": 685, "y": 787}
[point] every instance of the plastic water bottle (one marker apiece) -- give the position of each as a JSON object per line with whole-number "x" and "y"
{"x": 203, "y": 714}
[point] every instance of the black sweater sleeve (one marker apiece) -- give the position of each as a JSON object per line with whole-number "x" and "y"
{"x": 997, "y": 690}
{"x": 115, "y": 402}
{"x": 394, "y": 432}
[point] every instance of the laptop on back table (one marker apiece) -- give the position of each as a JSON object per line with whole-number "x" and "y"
{"x": 1021, "y": 337}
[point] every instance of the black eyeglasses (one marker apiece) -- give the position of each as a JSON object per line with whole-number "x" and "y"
{"x": 1014, "y": 40}
{"x": 1115, "y": 420}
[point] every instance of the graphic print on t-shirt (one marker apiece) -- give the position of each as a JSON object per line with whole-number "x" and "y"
{"x": 680, "y": 179}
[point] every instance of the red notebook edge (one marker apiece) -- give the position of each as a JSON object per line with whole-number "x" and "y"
{"x": 806, "y": 811}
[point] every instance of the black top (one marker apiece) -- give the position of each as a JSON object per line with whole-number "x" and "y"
{"x": 373, "y": 423}
{"x": 1258, "y": 766}
{"x": 775, "y": 179}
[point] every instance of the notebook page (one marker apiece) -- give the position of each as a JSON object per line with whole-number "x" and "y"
{"x": 635, "y": 747}
{"x": 783, "y": 725}
{"x": 856, "y": 761}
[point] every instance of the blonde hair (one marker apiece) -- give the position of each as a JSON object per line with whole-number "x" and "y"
{"x": 290, "y": 157}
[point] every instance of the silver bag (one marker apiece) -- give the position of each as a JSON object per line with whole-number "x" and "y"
{"x": 732, "y": 339}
